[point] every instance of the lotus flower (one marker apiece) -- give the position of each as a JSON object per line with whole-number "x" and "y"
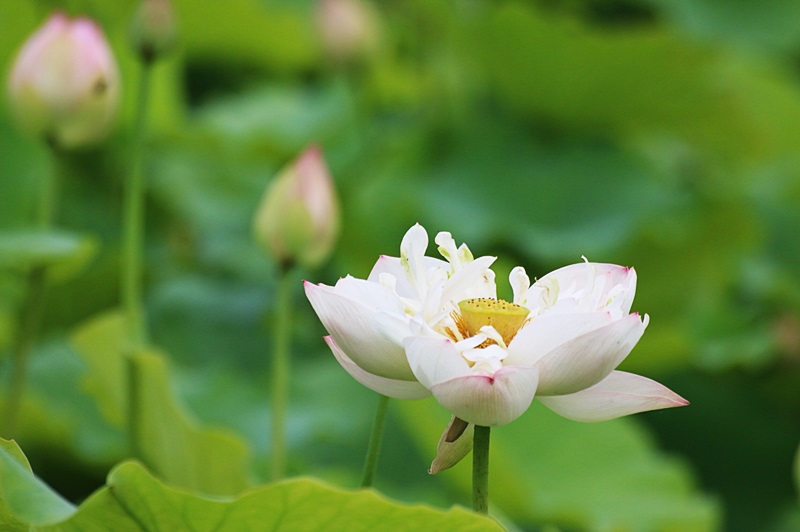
{"x": 559, "y": 341}
{"x": 419, "y": 324}
{"x": 367, "y": 320}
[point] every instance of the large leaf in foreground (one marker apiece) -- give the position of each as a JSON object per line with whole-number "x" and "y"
{"x": 299, "y": 504}
{"x": 134, "y": 500}
{"x": 600, "y": 476}
{"x": 24, "y": 499}
{"x": 167, "y": 440}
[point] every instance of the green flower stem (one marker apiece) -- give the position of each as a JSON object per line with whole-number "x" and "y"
{"x": 134, "y": 383}
{"x": 30, "y": 317}
{"x": 281, "y": 370}
{"x": 132, "y": 256}
{"x": 375, "y": 439}
{"x": 133, "y": 220}
{"x": 480, "y": 470}
{"x": 30, "y": 320}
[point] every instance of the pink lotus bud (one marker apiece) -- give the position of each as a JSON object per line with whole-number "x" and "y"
{"x": 348, "y": 28}
{"x": 298, "y": 219}
{"x": 64, "y": 85}
{"x": 153, "y": 29}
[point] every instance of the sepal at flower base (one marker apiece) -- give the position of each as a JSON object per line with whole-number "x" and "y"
{"x": 454, "y": 444}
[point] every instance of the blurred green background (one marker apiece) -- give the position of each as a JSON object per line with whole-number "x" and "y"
{"x": 659, "y": 134}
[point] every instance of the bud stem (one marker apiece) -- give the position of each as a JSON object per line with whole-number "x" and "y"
{"x": 132, "y": 256}
{"x": 480, "y": 470}
{"x": 30, "y": 320}
{"x": 30, "y": 316}
{"x": 375, "y": 440}
{"x": 133, "y": 221}
{"x": 281, "y": 370}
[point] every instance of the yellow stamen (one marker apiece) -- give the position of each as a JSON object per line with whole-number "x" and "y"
{"x": 505, "y": 317}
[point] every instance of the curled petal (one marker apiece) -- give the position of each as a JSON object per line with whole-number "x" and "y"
{"x": 489, "y": 400}
{"x": 619, "y": 394}
{"x": 589, "y": 358}
{"x": 412, "y": 257}
{"x": 393, "y": 267}
{"x": 474, "y": 279}
{"x": 350, "y": 323}
{"x": 588, "y": 286}
{"x": 397, "y": 389}
{"x": 451, "y": 450}
{"x": 520, "y": 283}
{"x": 434, "y": 359}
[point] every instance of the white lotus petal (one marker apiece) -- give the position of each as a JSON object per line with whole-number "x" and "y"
{"x": 619, "y": 394}
{"x": 586, "y": 287}
{"x": 393, "y": 267}
{"x": 473, "y": 280}
{"x": 489, "y": 401}
{"x": 350, "y": 323}
{"x": 393, "y": 327}
{"x": 520, "y": 284}
{"x": 372, "y": 295}
{"x": 449, "y": 453}
{"x": 398, "y": 389}
{"x": 434, "y": 359}
{"x": 588, "y": 359}
{"x": 541, "y": 335}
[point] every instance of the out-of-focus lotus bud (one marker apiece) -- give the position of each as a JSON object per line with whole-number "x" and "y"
{"x": 298, "y": 219}
{"x": 153, "y": 29}
{"x": 349, "y": 29}
{"x": 65, "y": 85}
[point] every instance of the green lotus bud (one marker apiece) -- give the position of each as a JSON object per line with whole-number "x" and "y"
{"x": 298, "y": 219}
{"x": 153, "y": 29}
{"x": 64, "y": 85}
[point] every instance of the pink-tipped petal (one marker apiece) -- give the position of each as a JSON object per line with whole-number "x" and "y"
{"x": 619, "y": 394}
{"x": 449, "y": 453}
{"x": 350, "y": 323}
{"x": 397, "y": 389}
{"x": 434, "y": 359}
{"x": 489, "y": 401}
{"x": 589, "y": 358}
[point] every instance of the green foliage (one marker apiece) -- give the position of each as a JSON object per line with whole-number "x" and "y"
{"x": 208, "y": 461}
{"x": 63, "y": 253}
{"x": 24, "y": 499}
{"x": 797, "y": 472}
{"x": 135, "y": 500}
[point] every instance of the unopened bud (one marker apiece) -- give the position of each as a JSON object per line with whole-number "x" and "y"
{"x": 298, "y": 218}
{"x": 64, "y": 85}
{"x": 153, "y": 29}
{"x": 348, "y": 29}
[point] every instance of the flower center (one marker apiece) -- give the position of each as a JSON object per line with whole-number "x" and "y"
{"x": 506, "y": 318}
